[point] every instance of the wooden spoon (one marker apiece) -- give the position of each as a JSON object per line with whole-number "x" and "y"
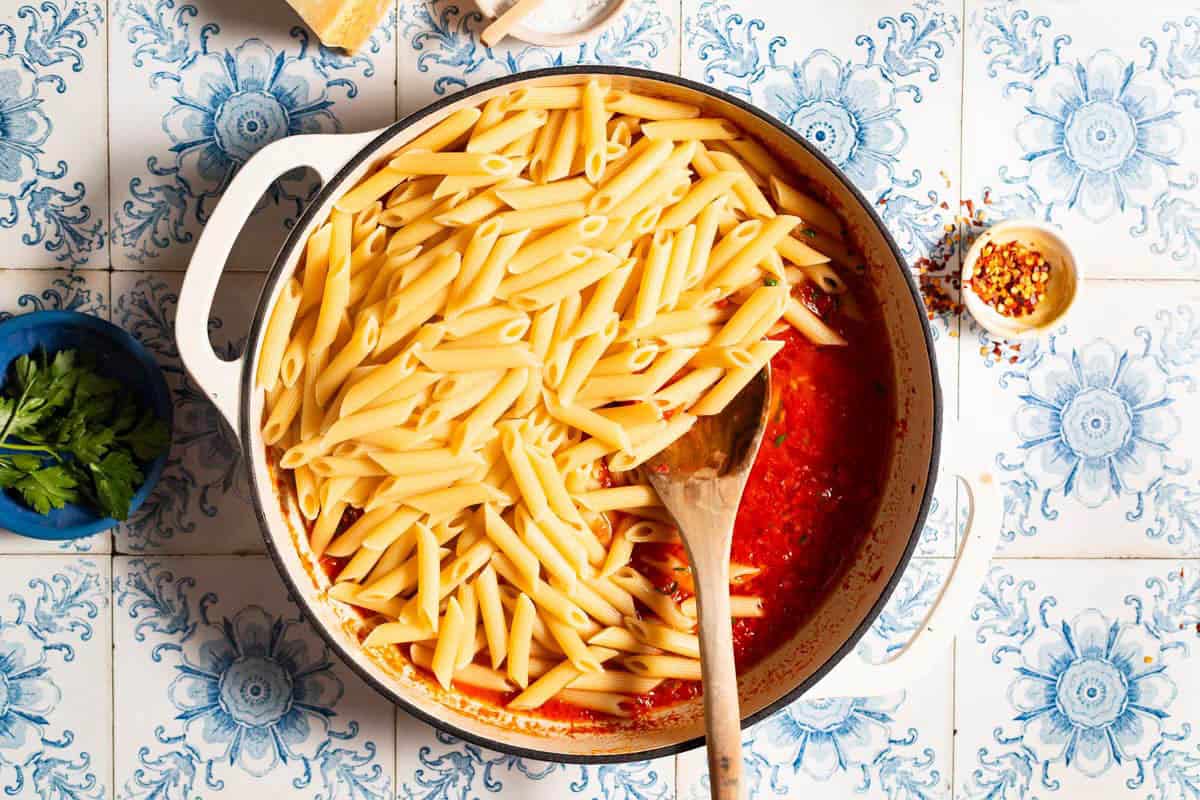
{"x": 700, "y": 479}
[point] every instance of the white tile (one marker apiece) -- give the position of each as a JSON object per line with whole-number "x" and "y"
{"x": 1079, "y": 679}
{"x": 1093, "y": 429}
{"x": 431, "y": 764}
{"x": 53, "y": 138}
{"x": 1088, "y": 120}
{"x": 181, "y": 138}
{"x": 55, "y": 661}
{"x": 202, "y": 503}
{"x": 29, "y": 290}
{"x": 440, "y": 51}
{"x": 223, "y": 690}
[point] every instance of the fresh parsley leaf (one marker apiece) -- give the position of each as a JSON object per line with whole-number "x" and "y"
{"x": 21, "y": 414}
{"x": 90, "y": 444}
{"x": 127, "y": 416}
{"x": 150, "y": 439}
{"x": 95, "y": 432}
{"x": 117, "y": 478}
{"x": 47, "y": 488}
{"x": 90, "y": 385}
{"x": 15, "y": 467}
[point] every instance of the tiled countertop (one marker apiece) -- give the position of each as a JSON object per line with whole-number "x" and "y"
{"x": 1076, "y": 673}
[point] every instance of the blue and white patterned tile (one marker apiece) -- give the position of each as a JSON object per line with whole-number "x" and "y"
{"x": 53, "y": 138}
{"x": 896, "y": 746}
{"x": 1079, "y": 679}
{"x": 1097, "y": 445}
{"x": 202, "y": 503}
{"x": 27, "y": 290}
{"x": 440, "y": 51}
{"x": 1089, "y": 121}
{"x": 55, "y": 659}
{"x": 208, "y": 83}
{"x": 222, "y": 690}
{"x": 432, "y": 765}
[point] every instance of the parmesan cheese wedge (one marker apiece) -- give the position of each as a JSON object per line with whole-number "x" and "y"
{"x": 342, "y": 23}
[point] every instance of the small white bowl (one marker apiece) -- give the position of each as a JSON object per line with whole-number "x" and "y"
{"x": 1062, "y": 287}
{"x": 543, "y": 29}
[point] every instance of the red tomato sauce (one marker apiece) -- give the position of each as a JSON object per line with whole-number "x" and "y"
{"x": 815, "y": 486}
{"x": 810, "y": 499}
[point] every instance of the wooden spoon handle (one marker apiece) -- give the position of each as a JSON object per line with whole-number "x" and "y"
{"x": 721, "y": 710}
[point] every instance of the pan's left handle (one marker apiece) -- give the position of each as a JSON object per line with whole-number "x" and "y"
{"x": 931, "y": 643}
{"x": 216, "y": 377}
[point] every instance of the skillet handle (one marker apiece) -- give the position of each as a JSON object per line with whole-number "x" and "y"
{"x": 932, "y": 641}
{"x": 218, "y": 378}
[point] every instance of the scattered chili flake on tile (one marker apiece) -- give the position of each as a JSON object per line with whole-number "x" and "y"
{"x": 1001, "y": 351}
{"x": 1010, "y": 278}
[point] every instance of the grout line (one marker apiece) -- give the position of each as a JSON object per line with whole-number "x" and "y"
{"x": 112, "y": 670}
{"x": 962, "y": 173}
{"x": 108, "y": 247}
{"x": 953, "y": 714}
{"x": 679, "y": 48}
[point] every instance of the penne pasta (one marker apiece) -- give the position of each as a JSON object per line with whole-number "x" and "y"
{"x": 496, "y": 328}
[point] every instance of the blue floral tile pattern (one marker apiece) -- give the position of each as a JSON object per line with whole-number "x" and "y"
{"x": 1098, "y": 453}
{"x": 1087, "y": 136}
{"x": 218, "y": 98}
{"x": 234, "y": 691}
{"x": 55, "y": 657}
{"x": 202, "y": 501}
{"x": 1069, "y": 690}
{"x": 28, "y": 290}
{"x": 432, "y": 765}
{"x": 52, "y": 178}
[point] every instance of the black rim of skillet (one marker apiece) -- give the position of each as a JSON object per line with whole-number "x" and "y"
{"x": 294, "y": 240}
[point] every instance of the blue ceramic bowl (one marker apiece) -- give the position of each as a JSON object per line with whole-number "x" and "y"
{"x": 118, "y": 355}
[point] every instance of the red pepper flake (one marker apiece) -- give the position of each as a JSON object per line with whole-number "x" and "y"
{"x": 1010, "y": 278}
{"x": 936, "y": 289}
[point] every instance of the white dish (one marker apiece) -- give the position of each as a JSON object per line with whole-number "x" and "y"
{"x": 1061, "y": 289}
{"x": 559, "y": 23}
